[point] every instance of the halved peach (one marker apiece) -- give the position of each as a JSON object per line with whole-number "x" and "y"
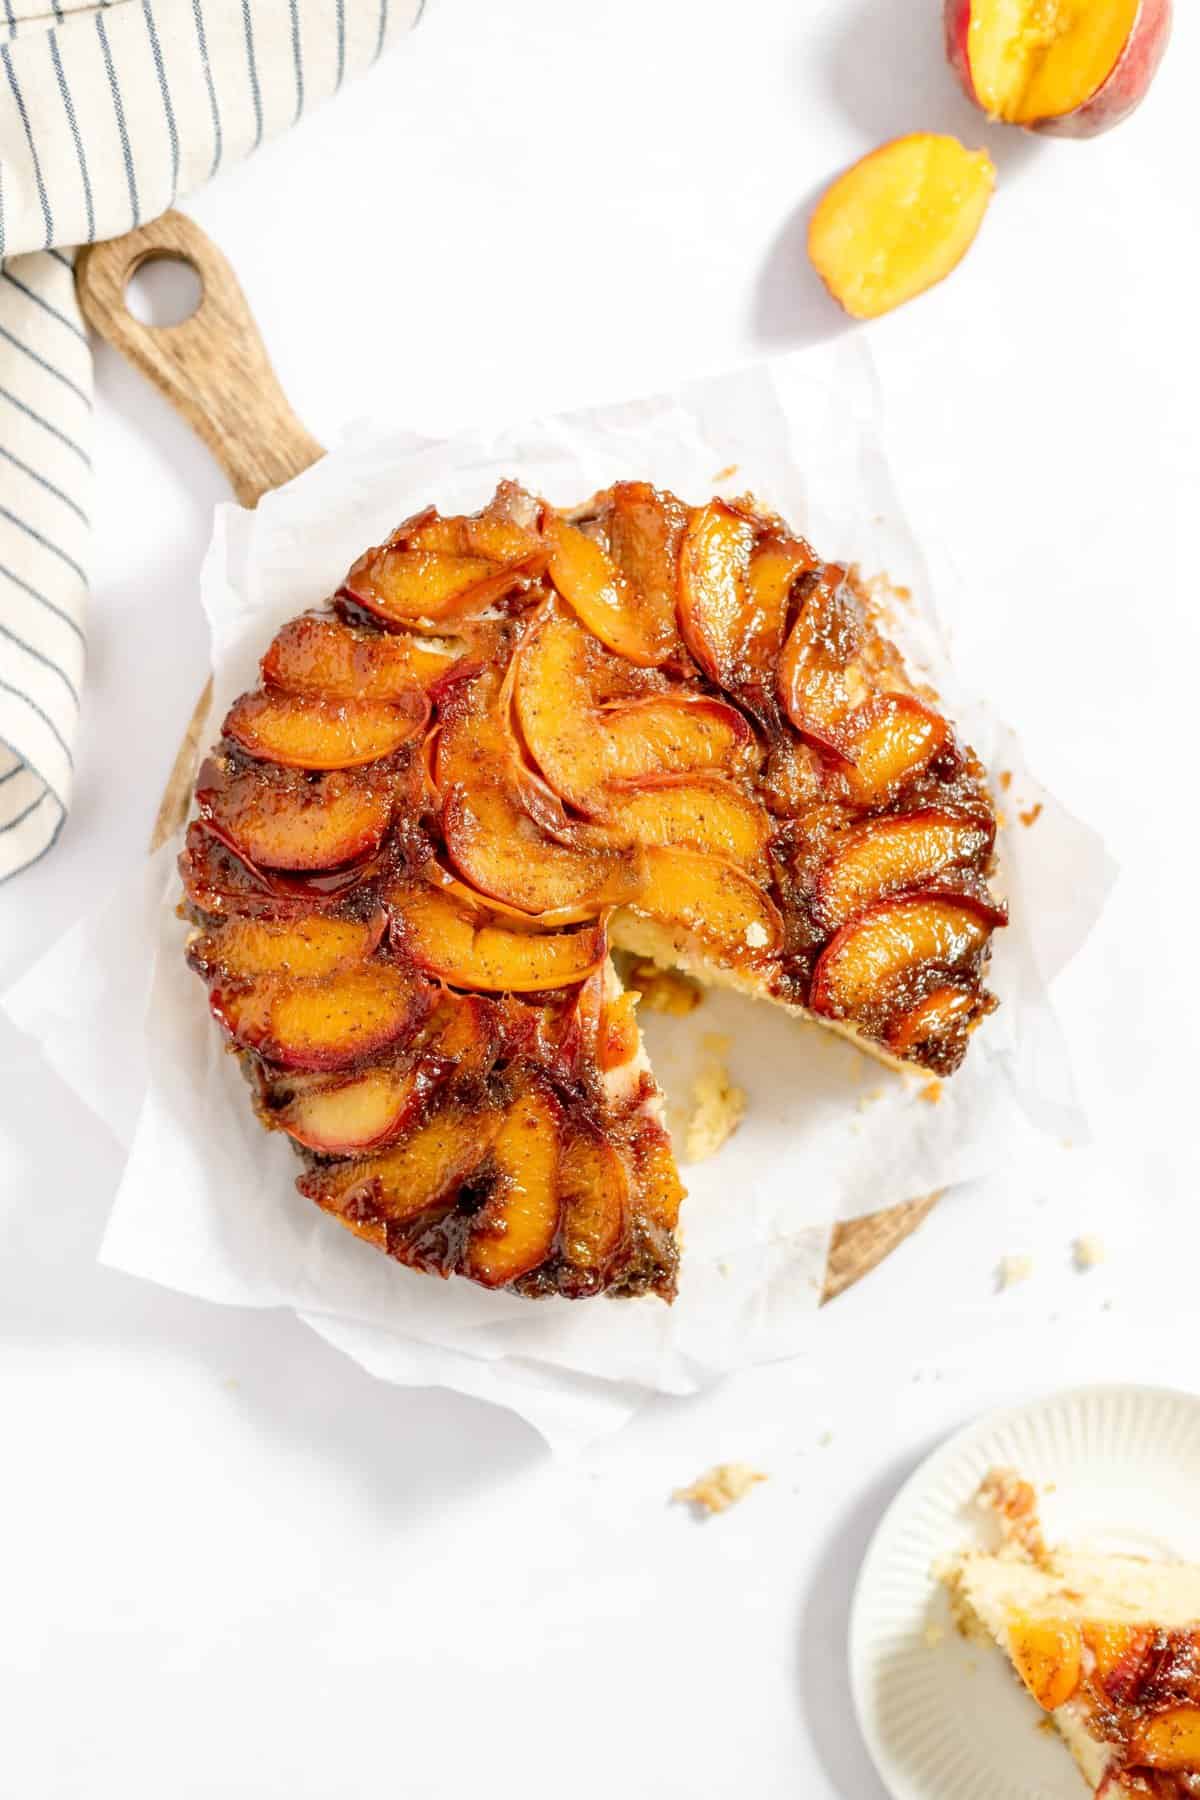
{"x": 295, "y": 822}
{"x": 349, "y": 1117}
{"x": 1048, "y": 1656}
{"x": 815, "y": 667}
{"x": 306, "y": 731}
{"x": 885, "y": 855}
{"x": 938, "y": 1015}
{"x": 318, "y": 654}
{"x": 515, "y": 1229}
{"x": 711, "y": 899}
{"x": 1057, "y": 66}
{"x": 866, "y": 958}
{"x": 302, "y": 948}
{"x": 495, "y": 844}
{"x": 696, "y": 812}
{"x": 629, "y": 621}
{"x": 899, "y": 220}
{"x": 325, "y": 1024}
{"x": 461, "y": 946}
{"x": 594, "y": 1190}
{"x": 581, "y": 746}
{"x": 422, "y": 1171}
{"x": 888, "y": 740}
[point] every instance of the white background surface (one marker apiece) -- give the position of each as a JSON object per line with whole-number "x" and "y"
{"x": 229, "y": 1561}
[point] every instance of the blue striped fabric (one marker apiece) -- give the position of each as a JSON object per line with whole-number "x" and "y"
{"x": 109, "y": 112}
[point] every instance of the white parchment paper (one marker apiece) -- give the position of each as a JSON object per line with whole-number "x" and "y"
{"x": 207, "y": 1203}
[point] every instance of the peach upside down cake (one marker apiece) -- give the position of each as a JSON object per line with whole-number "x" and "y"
{"x": 1108, "y": 1646}
{"x": 510, "y": 743}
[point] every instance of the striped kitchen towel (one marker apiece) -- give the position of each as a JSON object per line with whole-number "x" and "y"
{"x": 108, "y": 114}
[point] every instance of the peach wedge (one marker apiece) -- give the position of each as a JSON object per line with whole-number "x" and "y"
{"x": 632, "y": 622}
{"x": 888, "y": 740}
{"x": 304, "y": 949}
{"x": 893, "y": 940}
{"x": 299, "y": 824}
{"x": 735, "y": 581}
{"x": 694, "y": 812}
{"x": 595, "y": 1198}
{"x": 817, "y": 660}
{"x": 712, "y": 900}
{"x": 421, "y": 1172}
{"x": 515, "y": 1229}
{"x": 580, "y": 745}
{"x": 465, "y": 949}
{"x": 1057, "y": 66}
{"x": 899, "y": 221}
{"x": 306, "y": 731}
{"x": 886, "y": 855}
{"x": 350, "y": 1117}
{"x": 326, "y": 1024}
{"x": 318, "y": 654}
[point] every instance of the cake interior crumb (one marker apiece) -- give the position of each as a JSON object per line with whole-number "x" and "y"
{"x": 718, "y": 1107}
{"x": 931, "y": 1093}
{"x": 719, "y": 1488}
{"x": 1089, "y": 1252}
{"x": 1032, "y": 814}
{"x": 665, "y": 990}
{"x": 1012, "y": 1270}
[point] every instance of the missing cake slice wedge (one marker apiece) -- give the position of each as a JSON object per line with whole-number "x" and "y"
{"x": 1108, "y": 1646}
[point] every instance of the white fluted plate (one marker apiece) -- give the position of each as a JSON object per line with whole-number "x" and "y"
{"x": 944, "y": 1718}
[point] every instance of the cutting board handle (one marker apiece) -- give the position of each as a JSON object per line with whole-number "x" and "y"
{"x": 212, "y": 367}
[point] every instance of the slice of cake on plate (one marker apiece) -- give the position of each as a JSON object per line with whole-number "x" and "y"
{"x": 510, "y": 743}
{"x": 1108, "y": 1646}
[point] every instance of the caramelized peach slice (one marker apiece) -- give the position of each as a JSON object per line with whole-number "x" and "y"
{"x": 326, "y": 1024}
{"x": 660, "y": 1193}
{"x": 497, "y": 846}
{"x": 885, "y": 855}
{"x": 1048, "y": 1654}
{"x": 898, "y": 221}
{"x": 358, "y": 1115}
{"x": 817, "y": 667}
{"x": 305, "y": 731}
{"x": 695, "y": 812}
{"x": 735, "y": 578}
{"x": 645, "y": 531}
{"x": 580, "y": 746}
{"x": 550, "y": 920}
{"x": 304, "y": 949}
{"x": 890, "y": 739}
{"x": 1171, "y": 1740}
{"x": 426, "y": 590}
{"x": 422, "y": 1171}
{"x": 299, "y": 823}
{"x": 515, "y": 1229}
{"x": 938, "y": 1016}
{"x": 621, "y": 615}
{"x": 318, "y": 654}
{"x": 506, "y": 531}
{"x": 462, "y": 947}
{"x": 713, "y": 900}
{"x": 595, "y": 1194}
{"x": 1119, "y": 1652}
{"x": 890, "y": 941}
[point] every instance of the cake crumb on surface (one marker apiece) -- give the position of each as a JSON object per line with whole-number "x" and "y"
{"x": 1089, "y": 1252}
{"x": 665, "y": 990}
{"x": 719, "y": 1488}
{"x": 1032, "y": 814}
{"x": 931, "y": 1093}
{"x": 1005, "y": 779}
{"x": 726, "y": 474}
{"x": 1013, "y": 1502}
{"x": 718, "y": 1108}
{"x": 756, "y": 935}
{"x": 1012, "y": 1270}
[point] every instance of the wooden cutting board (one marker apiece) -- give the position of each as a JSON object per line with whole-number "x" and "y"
{"x": 214, "y": 370}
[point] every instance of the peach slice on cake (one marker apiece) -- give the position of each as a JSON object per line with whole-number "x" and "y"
{"x": 326, "y": 1024}
{"x": 888, "y": 740}
{"x": 515, "y": 1228}
{"x": 493, "y": 840}
{"x": 307, "y": 731}
{"x": 884, "y": 855}
{"x": 713, "y": 901}
{"x": 382, "y": 1197}
{"x": 350, "y": 1117}
{"x": 645, "y": 530}
{"x": 694, "y": 812}
{"x": 582, "y": 743}
{"x": 594, "y": 1190}
{"x": 303, "y": 948}
{"x": 433, "y": 571}
{"x": 296, "y": 822}
{"x": 320, "y": 654}
{"x": 1072, "y": 68}
{"x": 631, "y": 621}
{"x": 899, "y": 220}
{"x": 464, "y": 947}
{"x": 819, "y": 678}
{"x": 941, "y": 1015}
{"x": 895, "y": 939}
{"x": 736, "y": 576}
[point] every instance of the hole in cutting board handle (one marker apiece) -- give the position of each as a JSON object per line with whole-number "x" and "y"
{"x": 164, "y": 290}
